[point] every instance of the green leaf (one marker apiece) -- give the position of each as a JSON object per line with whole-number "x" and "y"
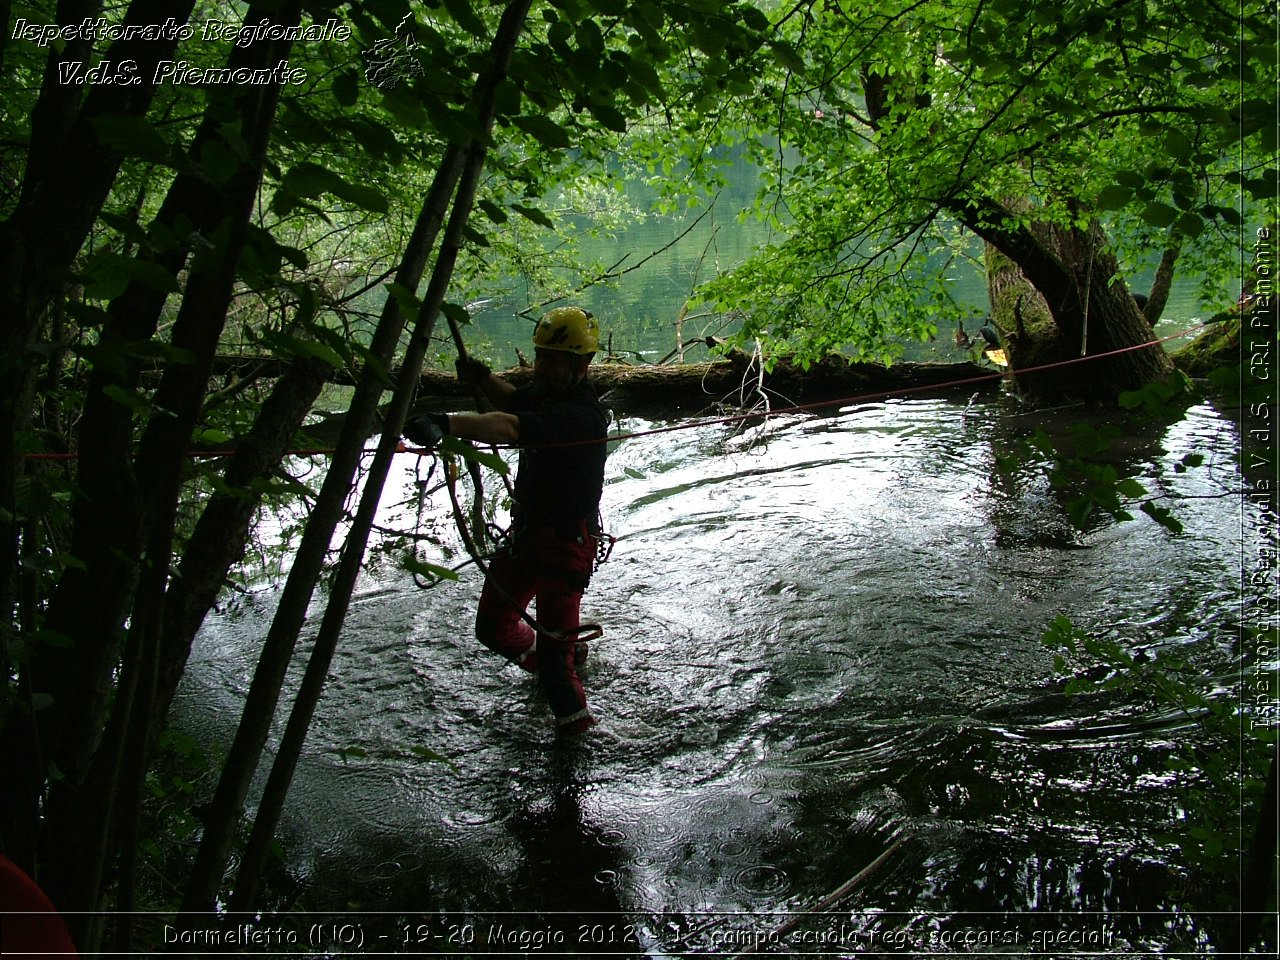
{"x": 162, "y": 353}
{"x": 1177, "y": 145}
{"x": 1190, "y": 225}
{"x": 1162, "y": 516}
{"x": 1266, "y": 187}
{"x": 456, "y": 312}
{"x": 405, "y": 298}
{"x": 1059, "y": 634}
{"x": 1079, "y": 510}
{"x": 270, "y": 252}
{"x": 475, "y": 236}
{"x": 127, "y": 398}
{"x": 1130, "y": 488}
{"x": 492, "y": 211}
{"x": 373, "y": 363}
{"x": 464, "y": 449}
{"x": 129, "y": 228}
{"x": 466, "y": 18}
{"x": 218, "y": 161}
{"x": 1159, "y": 214}
{"x": 534, "y": 214}
{"x": 590, "y": 40}
{"x": 286, "y": 487}
{"x": 346, "y": 88}
{"x": 308, "y": 180}
{"x": 336, "y": 340}
{"x": 406, "y": 108}
{"x": 412, "y": 564}
{"x": 132, "y": 136}
{"x": 546, "y": 131}
{"x": 1114, "y": 197}
{"x": 787, "y": 55}
{"x": 1226, "y": 214}
{"x": 426, "y": 753}
{"x": 288, "y": 345}
{"x": 454, "y": 123}
{"x": 110, "y": 274}
{"x": 210, "y": 439}
{"x": 610, "y": 117}
{"x": 348, "y": 753}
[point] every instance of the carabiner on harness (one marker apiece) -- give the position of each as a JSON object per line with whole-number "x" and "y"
{"x": 604, "y": 547}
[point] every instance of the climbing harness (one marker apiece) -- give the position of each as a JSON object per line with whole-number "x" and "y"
{"x": 505, "y": 539}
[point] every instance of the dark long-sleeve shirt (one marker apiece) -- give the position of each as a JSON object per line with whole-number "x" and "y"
{"x": 560, "y": 474}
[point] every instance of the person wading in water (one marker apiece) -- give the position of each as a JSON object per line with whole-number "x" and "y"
{"x": 560, "y": 427}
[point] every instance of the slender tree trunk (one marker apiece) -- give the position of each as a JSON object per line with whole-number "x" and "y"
{"x": 1162, "y": 283}
{"x": 268, "y": 678}
{"x": 219, "y": 537}
{"x": 349, "y": 565}
{"x": 224, "y": 810}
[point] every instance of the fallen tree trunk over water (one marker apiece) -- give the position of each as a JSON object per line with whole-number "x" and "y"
{"x": 686, "y": 390}
{"x": 738, "y": 382}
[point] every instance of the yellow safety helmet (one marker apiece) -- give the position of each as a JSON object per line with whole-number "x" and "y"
{"x": 568, "y": 328}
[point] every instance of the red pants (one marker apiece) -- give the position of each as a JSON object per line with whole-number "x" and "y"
{"x": 550, "y": 568}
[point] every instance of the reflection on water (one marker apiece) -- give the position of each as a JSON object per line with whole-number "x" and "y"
{"x": 816, "y": 647}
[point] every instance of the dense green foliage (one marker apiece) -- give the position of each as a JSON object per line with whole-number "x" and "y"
{"x": 896, "y": 122}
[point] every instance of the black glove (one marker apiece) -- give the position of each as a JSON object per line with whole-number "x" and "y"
{"x": 470, "y": 370}
{"x": 427, "y": 430}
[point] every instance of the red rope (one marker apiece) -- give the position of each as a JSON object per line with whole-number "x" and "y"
{"x": 204, "y": 454}
{"x": 733, "y": 418}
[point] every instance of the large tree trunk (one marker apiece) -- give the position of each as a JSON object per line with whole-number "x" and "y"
{"x": 1071, "y": 328}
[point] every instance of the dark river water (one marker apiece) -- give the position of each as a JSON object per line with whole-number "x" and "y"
{"x": 822, "y": 669}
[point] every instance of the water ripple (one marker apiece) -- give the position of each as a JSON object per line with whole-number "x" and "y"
{"x": 813, "y": 643}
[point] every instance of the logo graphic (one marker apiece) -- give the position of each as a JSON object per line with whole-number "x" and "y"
{"x": 392, "y": 61}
